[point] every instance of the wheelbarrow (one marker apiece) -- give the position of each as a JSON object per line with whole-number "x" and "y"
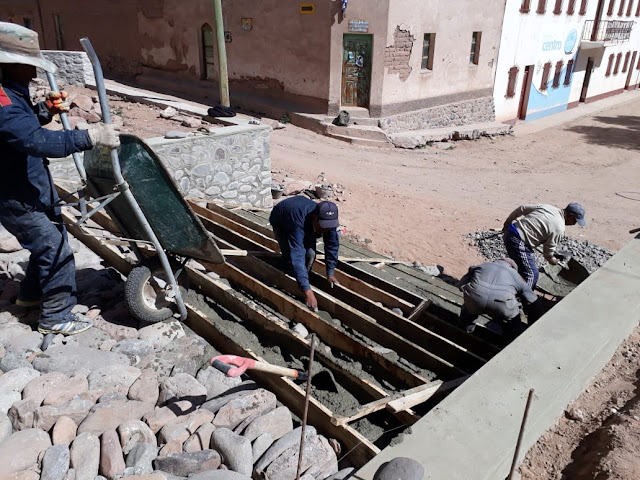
{"x": 138, "y": 193}
{"x": 559, "y": 280}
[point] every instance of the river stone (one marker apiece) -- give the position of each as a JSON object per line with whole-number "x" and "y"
{"x": 200, "y": 440}
{"x": 316, "y": 453}
{"x": 184, "y": 464}
{"x": 257, "y": 402}
{"x": 342, "y": 474}
{"x": 400, "y": 467}
{"x": 8, "y": 331}
{"x": 112, "y": 397}
{"x": 55, "y": 463}
{"x": 180, "y": 429}
{"x": 64, "y": 431}
{"x": 133, "y": 432}
{"x": 161, "y": 416}
{"x": 22, "y": 475}
{"x": 219, "y": 475}
{"x": 25, "y": 343}
{"x": 6, "y": 429}
{"x": 291, "y": 439}
{"x": 109, "y": 416}
{"x": 151, "y": 476}
{"x": 145, "y": 388}
{"x": 215, "y": 381}
{"x": 38, "y": 388}
{"x": 113, "y": 377}
{"x": 115, "y": 331}
{"x": 47, "y": 415}
{"x": 22, "y": 413}
{"x": 174, "y": 447}
{"x": 71, "y": 359}
{"x": 234, "y": 449}
{"x": 12, "y": 361}
{"x": 92, "y": 338}
{"x": 182, "y": 387}
{"x": 161, "y": 334}
{"x": 277, "y": 422}
{"x": 85, "y": 456}
{"x": 141, "y": 457}
{"x": 175, "y": 134}
{"x": 184, "y": 355}
{"x": 66, "y": 390}
{"x": 16, "y": 380}
{"x": 133, "y": 348}
{"x": 111, "y": 459}
{"x": 215, "y": 404}
{"x": 7, "y": 399}
{"x": 21, "y": 450}
{"x": 260, "y": 445}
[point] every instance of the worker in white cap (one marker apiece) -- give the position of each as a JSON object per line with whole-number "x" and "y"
{"x": 29, "y": 207}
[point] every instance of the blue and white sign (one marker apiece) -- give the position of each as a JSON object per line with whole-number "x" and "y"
{"x": 570, "y": 42}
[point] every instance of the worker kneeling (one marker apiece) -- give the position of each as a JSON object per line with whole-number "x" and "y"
{"x": 497, "y": 290}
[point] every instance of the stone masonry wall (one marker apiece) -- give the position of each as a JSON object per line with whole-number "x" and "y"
{"x": 396, "y": 56}
{"x": 232, "y": 165}
{"x": 74, "y": 68}
{"x": 478, "y": 110}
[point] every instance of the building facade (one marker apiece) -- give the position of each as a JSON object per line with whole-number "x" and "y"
{"x": 555, "y": 54}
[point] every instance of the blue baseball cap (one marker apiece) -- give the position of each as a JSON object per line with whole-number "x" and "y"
{"x": 577, "y": 211}
{"x": 327, "y": 215}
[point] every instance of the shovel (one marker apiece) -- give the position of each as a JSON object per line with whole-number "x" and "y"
{"x": 234, "y": 366}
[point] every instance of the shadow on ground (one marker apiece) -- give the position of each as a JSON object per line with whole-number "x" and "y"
{"x": 623, "y": 132}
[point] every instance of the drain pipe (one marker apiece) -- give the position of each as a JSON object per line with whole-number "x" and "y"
{"x": 123, "y": 186}
{"x": 222, "y": 55}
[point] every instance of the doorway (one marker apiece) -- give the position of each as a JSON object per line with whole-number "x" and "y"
{"x": 524, "y": 93}
{"x": 587, "y": 79}
{"x": 356, "y": 70}
{"x": 631, "y": 65}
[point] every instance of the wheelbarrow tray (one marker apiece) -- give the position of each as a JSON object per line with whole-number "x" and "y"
{"x": 178, "y": 229}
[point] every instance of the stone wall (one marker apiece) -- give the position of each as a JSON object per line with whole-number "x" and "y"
{"x": 74, "y": 68}
{"x": 232, "y": 165}
{"x": 478, "y": 110}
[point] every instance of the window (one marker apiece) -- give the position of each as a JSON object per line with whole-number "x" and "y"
{"x": 609, "y": 66}
{"x": 621, "y": 9}
{"x": 524, "y": 8}
{"x": 583, "y": 7}
{"x": 427, "y": 51}
{"x": 567, "y": 75}
{"x": 511, "y": 86}
{"x": 542, "y": 6}
{"x": 557, "y": 74}
{"x": 57, "y": 23}
{"x": 545, "y": 76}
{"x": 638, "y": 66}
{"x": 638, "y": 10}
{"x": 558, "y": 8}
{"x": 611, "y": 5}
{"x": 629, "y": 8}
{"x": 571, "y": 8}
{"x": 626, "y": 62}
{"x": 617, "y": 67}
{"x": 208, "y": 55}
{"x": 474, "y": 56}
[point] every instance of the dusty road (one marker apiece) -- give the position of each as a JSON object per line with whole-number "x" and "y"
{"x": 418, "y": 204}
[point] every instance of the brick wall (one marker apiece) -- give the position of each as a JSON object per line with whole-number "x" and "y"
{"x": 396, "y": 56}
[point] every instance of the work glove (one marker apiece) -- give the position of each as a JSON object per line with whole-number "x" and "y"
{"x": 56, "y": 102}
{"x": 102, "y": 135}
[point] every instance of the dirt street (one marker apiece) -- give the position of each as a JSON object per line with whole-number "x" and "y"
{"x": 418, "y": 204}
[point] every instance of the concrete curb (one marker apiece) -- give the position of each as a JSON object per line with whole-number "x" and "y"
{"x": 472, "y": 433}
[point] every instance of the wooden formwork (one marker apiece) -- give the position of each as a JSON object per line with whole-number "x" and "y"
{"x": 363, "y": 303}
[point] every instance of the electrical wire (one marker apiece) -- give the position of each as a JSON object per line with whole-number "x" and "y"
{"x": 636, "y": 192}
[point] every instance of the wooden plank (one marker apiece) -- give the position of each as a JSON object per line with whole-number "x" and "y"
{"x": 423, "y": 395}
{"x": 240, "y": 219}
{"x": 422, "y": 306}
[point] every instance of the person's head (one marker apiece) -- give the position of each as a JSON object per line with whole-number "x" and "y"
{"x": 574, "y": 213}
{"x": 325, "y": 217}
{"x": 509, "y": 262}
{"x": 20, "y": 54}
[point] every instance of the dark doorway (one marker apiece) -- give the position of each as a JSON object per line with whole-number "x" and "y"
{"x": 631, "y": 65}
{"x": 587, "y": 79}
{"x": 356, "y": 70}
{"x": 524, "y": 93}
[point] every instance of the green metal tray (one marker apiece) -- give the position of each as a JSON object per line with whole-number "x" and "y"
{"x": 178, "y": 229}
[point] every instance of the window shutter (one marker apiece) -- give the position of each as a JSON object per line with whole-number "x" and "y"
{"x": 558, "y": 8}
{"x": 609, "y": 65}
{"x": 511, "y": 86}
{"x": 617, "y": 67}
{"x": 626, "y": 62}
{"x": 545, "y": 76}
{"x": 568, "y": 73}
{"x": 611, "y": 5}
{"x": 542, "y": 6}
{"x": 524, "y": 8}
{"x": 583, "y": 7}
{"x": 571, "y": 8}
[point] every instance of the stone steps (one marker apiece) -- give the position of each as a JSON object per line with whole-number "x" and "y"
{"x": 366, "y": 142}
{"x": 420, "y": 138}
{"x": 356, "y": 131}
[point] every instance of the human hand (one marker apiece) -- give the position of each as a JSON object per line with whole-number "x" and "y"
{"x": 333, "y": 280}
{"x": 553, "y": 260}
{"x": 104, "y": 135}
{"x": 56, "y": 102}
{"x": 310, "y": 300}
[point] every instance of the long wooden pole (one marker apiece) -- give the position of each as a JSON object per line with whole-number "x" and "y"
{"x": 222, "y": 55}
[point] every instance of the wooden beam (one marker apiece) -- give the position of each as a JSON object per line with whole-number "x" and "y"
{"x": 422, "y": 306}
{"x": 421, "y": 396}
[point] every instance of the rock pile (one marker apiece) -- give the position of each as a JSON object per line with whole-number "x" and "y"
{"x": 591, "y": 255}
{"x": 120, "y": 401}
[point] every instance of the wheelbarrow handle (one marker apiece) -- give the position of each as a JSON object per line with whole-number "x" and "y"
{"x": 224, "y": 364}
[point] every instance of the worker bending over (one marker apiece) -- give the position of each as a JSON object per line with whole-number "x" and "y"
{"x": 497, "y": 290}
{"x": 297, "y": 222}
{"x": 530, "y": 226}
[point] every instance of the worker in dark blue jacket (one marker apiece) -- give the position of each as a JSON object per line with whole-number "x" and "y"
{"x": 297, "y": 222}
{"x": 28, "y": 201}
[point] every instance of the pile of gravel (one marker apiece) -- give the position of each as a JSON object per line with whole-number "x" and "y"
{"x": 591, "y": 255}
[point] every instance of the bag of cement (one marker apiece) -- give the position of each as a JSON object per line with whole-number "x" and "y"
{"x": 343, "y": 119}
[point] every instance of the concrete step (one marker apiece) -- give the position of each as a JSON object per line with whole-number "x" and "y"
{"x": 361, "y": 141}
{"x": 356, "y": 131}
{"x": 419, "y": 138}
{"x": 363, "y": 121}
{"x": 359, "y": 112}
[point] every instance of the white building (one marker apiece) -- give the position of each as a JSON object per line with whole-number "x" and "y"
{"x": 555, "y": 54}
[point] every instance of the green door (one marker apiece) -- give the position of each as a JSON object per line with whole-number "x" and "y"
{"x": 356, "y": 70}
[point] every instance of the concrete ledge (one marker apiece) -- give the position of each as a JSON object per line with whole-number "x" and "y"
{"x": 471, "y": 435}
{"x": 420, "y": 138}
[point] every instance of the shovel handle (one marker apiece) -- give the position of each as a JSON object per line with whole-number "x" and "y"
{"x": 635, "y": 230}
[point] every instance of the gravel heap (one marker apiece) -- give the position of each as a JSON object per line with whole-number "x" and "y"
{"x": 591, "y": 255}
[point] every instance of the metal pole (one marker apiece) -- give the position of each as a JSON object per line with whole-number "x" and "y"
{"x": 123, "y": 186}
{"x": 520, "y": 435}
{"x": 222, "y": 55}
{"x": 306, "y": 404}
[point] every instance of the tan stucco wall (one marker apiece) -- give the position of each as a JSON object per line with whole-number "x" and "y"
{"x": 17, "y": 10}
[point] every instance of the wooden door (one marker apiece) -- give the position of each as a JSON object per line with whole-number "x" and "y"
{"x": 630, "y": 66}
{"x": 587, "y": 79}
{"x": 356, "y": 70}
{"x": 524, "y": 92}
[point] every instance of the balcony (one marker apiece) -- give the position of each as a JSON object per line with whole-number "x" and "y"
{"x": 605, "y": 33}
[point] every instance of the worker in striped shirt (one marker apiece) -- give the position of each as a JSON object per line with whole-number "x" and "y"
{"x": 531, "y": 226}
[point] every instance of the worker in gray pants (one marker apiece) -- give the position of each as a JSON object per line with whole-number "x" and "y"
{"x": 497, "y": 290}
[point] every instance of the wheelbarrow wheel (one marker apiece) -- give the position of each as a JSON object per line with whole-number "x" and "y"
{"x": 146, "y": 291}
